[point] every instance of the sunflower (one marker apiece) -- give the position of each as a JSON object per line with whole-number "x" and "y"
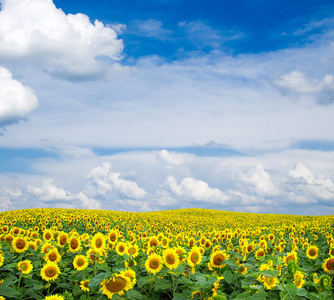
{"x": 47, "y": 235}
{"x": 153, "y": 241}
{"x": 20, "y": 244}
{"x": 112, "y": 237}
{"x": 299, "y": 279}
{"x": 194, "y": 256}
{"x": 121, "y": 248}
{"x": 325, "y": 282}
{"x": 62, "y": 239}
{"x": 328, "y": 265}
{"x": 2, "y": 259}
{"x": 50, "y": 271}
{"x": 242, "y": 269}
{"x": 290, "y": 255}
{"x": 180, "y": 251}
{"x": 133, "y": 250}
{"x": 312, "y": 252}
{"x": 154, "y": 263}
{"x": 84, "y": 285}
{"x": 80, "y": 262}
{"x": 116, "y": 285}
{"x": 260, "y": 253}
{"x": 170, "y": 258}
{"x": 74, "y": 244}
{"x": 46, "y": 247}
{"x": 217, "y": 258}
{"x": 25, "y": 266}
{"x": 54, "y": 297}
{"x": 269, "y": 282}
{"x": 52, "y": 255}
{"x": 98, "y": 242}
{"x": 130, "y": 274}
{"x": 165, "y": 242}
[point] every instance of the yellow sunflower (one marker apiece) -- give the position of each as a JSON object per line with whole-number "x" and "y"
{"x": 217, "y": 258}
{"x": 25, "y": 266}
{"x": 46, "y": 247}
{"x": 116, "y": 285}
{"x": 312, "y": 252}
{"x": 112, "y": 237}
{"x": 194, "y": 256}
{"x": 84, "y": 285}
{"x": 50, "y": 271}
{"x": 54, "y": 297}
{"x": 52, "y": 255}
{"x": 154, "y": 263}
{"x": 328, "y": 265}
{"x": 98, "y": 242}
{"x": 170, "y": 258}
{"x": 2, "y": 259}
{"x": 74, "y": 244}
{"x": 290, "y": 255}
{"x": 62, "y": 239}
{"x": 80, "y": 262}
{"x": 47, "y": 235}
{"x": 269, "y": 282}
{"x": 133, "y": 250}
{"x": 299, "y": 279}
{"x": 260, "y": 253}
{"x": 121, "y": 248}
{"x": 20, "y": 244}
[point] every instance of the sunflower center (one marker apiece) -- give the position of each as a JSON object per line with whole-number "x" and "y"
{"x": 270, "y": 280}
{"x": 330, "y": 264}
{"x": 24, "y": 267}
{"x": 154, "y": 264}
{"x": 50, "y": 272}
{"x": 80, "y": 262}
{"x": 170, "y": 258}
{"x": 121, "y": 249}
{"x": 194, "y": 257}
{"x": 298, "y": 280}
{"x": 218, "y": 259}
{"x": 74, "y": 244}
{"x": 85, "y": 284}
{"x": 113, "y": 237}
{"x": 116, "y": 285}
{"x": 132, "y": 250}
{"x": 98, "y": 243}
{"x": 53, "y": 256}
{"x": 48, "y": 236}
{"x": 20, "y": 244}
{"x": 312, "y": 252}
{"x": 63, "y": 240}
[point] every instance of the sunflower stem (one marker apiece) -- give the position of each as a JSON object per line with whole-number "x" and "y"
{"x": 18, "y": 284}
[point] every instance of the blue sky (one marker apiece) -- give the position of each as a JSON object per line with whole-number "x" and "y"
{"x": 152, "y": 105}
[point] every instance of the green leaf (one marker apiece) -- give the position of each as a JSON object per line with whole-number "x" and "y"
{"x": 8, "y": 291}
{"x": 77, "y": 291}
{"x": 242, "y": 296}
{"x": 95, "y": 282}
{"x": 212, "y": 279}
{"x": 259, "y": 295}
{"x": 162, "y": 285}
{"x": 143, "y": 281}
{"x": 179, "y": 297}
{"x": 291, "y": 289}
{"x": 301, "y": 292}
{"x": 201, "y": 281}
{"x": 270, "y": 273}
{"x": 228, "y": 277}
{"x": 133, "y": 294}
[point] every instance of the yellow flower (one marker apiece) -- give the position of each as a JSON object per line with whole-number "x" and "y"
{"x": 217, "y": 258}
{"x": 62, "y": 239}
{"x": 260, "y": 253}
{"x": 170, "y": 258}
{"x": 328, "y": 265}
{"x": 25, "y": 266}
{"x": 154, "y": 263}
{"x": 20, "y": 244}
{"x": 290, "y": 255}
{"x": 116, "y": 285}
{"x": 98, "y": 242}
{"x": 194, "y": 256}
{"x": 325, "y": 282}
{"x": 2, "y": 259}
{"x": 50, "y": 271}
{"x": 112, "y": 237}
{"x": 269, "y": 282}
{"x": 299, "y": 279}
{"x": 74, "y": 244}
{"x": 52, "y": 255}
{"x": 312, "y": 252}
{"x": 2, "y": 298}
{"x": 47, "y": 235}
{"x": 54, "y": 297}
{"x": 80, "y": 262}
{"x": 121, "y": 248}
{"x": 133, "y": 250}
{"x": 84, "y": 285}
{"x": 46, "y": 247}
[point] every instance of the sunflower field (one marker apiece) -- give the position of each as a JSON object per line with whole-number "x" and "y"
{"x": 67, "y": 254}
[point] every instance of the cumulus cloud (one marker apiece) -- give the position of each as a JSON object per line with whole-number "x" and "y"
{"x": 50, "y": 193}
{"x": 258, "y": 180}
{"x": 7, "y": 198}
{"x": 169, "y": 158}
{"x": 196, "y": 190}
{"x": 67, "y": 45}
{"x": 297, "y": 84}
{"x": 101, "y": 180}
{"x": 16, "y": 100}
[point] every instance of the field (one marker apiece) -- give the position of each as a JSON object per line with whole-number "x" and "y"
{"x": 57, "y": 254}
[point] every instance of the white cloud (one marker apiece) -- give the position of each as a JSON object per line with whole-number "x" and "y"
{"x": 195, "y": 190}
{"x": 67, "y": 45}
{"x": 16, "y": 100}
{"x": 170, "y": 158}
{"x": 258, "y": 180}
{"x": 150, "y": 28}
{"x": 296, "y": 83}
{"x": 101, "y": 180}
{"x": 8, "y": 197}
